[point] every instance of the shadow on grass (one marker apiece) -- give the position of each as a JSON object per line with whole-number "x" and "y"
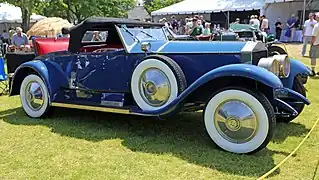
{"x": 183, "y": 136}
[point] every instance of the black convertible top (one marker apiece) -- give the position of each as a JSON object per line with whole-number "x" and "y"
{"x": 100, "y": 24}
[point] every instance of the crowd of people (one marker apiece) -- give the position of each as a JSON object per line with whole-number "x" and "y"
{"x": 197, "y": 25}
{"x": 193, "y": 26}
{"x": 15, "y": 38}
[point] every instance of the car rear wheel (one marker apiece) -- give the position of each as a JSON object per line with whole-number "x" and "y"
{"x": 156, "y": 82}
{"x": 34, "y": 96}
{"x": 239, "y": 120}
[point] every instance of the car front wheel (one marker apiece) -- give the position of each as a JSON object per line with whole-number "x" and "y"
{"x": 34, "y": 96}
{"x": 239, "y": 120}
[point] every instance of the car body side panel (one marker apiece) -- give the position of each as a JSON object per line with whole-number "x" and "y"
{"x": 240, "y": 70}
{"x": 191, "y": 47}
{"x": 51, "y": 73}
{"x": 296, "y": 67}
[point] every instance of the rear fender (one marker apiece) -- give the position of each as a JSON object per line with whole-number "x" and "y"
{"x": 51, "y": 73}
{"x": 296, "y": 67}
{"x": 236, "y": 70}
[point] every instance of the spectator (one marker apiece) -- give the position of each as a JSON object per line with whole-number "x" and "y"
{"x": 11, "y": 33}
{"x": 291, "y": 28}
{"x": 5, "y": 37}
{"x": 196, "y": 29}
{"x": 297, "y": 23}
{"x": 252, "y": 21}
{"x": 314, "y": 46}
{"x": 278, "y": 26}
{"x": 167, "y": 24}
{"x": 202, "y": 20}
{"x": 174, "y": 24}
{"x": 189, "y": 24}
{"x": 237, "y": 21}
{"x": 257, "y": 21}
{"x": 264, "y": 24}
{"x": 181, "y": 24}
{"x": 65, "y": 32}
{"x": 307, "y": 32}
{"x": 97, "y": 36}
{"x": 207, "y": 30}
{"x": 19, "y": 38}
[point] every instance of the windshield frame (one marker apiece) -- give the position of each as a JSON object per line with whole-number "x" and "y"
{"x": 128, "y": 47}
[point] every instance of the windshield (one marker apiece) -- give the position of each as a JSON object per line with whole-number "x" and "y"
{"x": 131, "y": 35}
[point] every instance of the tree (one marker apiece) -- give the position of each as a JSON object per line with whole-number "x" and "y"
{"x": 80, "y": 9}
{"x": 27, "y": 8}
{"x": 153, "y": 5}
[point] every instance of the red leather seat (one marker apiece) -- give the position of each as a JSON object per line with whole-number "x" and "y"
{"x": 47, "y": 45}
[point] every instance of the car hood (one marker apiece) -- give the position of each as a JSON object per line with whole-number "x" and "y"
{"x": 192, "y": 47}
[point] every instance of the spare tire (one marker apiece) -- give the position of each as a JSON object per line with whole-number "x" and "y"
{"x": 156, "y": 82}
{"x": 276, "y": 50}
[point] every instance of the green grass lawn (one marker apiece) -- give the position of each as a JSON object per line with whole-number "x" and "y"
{"x": 77, "y": 144}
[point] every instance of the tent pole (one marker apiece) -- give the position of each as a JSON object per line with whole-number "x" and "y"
{"x": 304, "y": 11}
{"x": 228, "y": 20}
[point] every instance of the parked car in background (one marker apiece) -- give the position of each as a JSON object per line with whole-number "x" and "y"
{"x": 137, "y": 70}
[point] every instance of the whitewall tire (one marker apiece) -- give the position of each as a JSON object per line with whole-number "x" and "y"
{"x": 239, "y": 120}
{"x": 34, "y": 96}
{"x": 156, "y": 82}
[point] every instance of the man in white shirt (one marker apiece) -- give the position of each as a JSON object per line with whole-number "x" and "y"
{"x": 314, "y": 46}
{"x": 264, "y": 24}
{"x": 256, "y": 21}
{"x": 307, "y": 32}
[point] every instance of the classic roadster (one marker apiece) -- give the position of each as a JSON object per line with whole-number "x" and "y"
{"x": 131, "y": 67}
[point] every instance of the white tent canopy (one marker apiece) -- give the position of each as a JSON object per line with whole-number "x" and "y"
{"x": 10, "y": 13}
{"x": 208, "y": 6}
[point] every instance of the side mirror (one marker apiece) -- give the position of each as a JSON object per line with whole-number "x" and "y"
{"x": 145, "y": 46}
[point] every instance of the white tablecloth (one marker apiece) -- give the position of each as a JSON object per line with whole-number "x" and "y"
{"x": 297, "y": 38}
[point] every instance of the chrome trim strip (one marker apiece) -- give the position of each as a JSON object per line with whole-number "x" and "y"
{"x": 92, "y": 108}
{"x": 162, "y": 47}
{"x": 101, "y": 109}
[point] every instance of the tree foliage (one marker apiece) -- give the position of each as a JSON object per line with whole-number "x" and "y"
{"x": 78, "y": 9}
{"x": 153, "y": 5}
{"x": 82, "y": 9}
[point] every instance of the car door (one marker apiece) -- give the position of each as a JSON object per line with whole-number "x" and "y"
{"x": 105, "y": 71}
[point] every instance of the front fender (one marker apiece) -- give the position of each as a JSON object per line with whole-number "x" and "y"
{"x": 296, "y": 67}
{"x": 238, "y": 70}
{"x": 51, "y": 73}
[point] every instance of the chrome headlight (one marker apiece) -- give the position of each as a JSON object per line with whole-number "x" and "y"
{"x": 284, "y": 63}
{"x": 271, "y": 64}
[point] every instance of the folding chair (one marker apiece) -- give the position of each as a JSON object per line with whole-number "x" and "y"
{"x": 3, "y": 78}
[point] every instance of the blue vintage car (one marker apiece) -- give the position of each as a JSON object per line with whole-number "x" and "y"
{"x": 130, "y": 67}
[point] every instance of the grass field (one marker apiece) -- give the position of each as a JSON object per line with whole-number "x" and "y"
{"x": 77, "y": 144}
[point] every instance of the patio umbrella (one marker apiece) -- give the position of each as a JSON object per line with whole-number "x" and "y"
{"x": 49, "y": 27}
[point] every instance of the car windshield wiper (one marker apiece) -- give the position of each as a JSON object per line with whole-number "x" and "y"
{"x": 128, "y": 31}
{"x": 148, "y": 34}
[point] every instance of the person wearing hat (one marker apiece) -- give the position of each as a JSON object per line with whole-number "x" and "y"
{"x": 237, "y": 21}
{"x": 196, "y": 29}
{"x": 314, "y": 49}
{"x": 252, "y": 21}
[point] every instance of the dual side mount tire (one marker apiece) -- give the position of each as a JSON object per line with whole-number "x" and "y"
{"x": 34, "y": 96}
{"x": 239, "y": 120}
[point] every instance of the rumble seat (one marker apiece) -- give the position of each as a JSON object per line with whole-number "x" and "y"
{"x": 47, "y": 45}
